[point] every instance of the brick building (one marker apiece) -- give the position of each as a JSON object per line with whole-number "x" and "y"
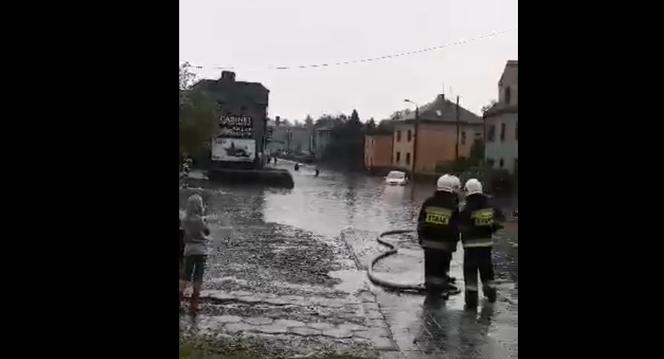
{"x": 437, "y": 136}
{"x": 378, "y": 151}
{"x": 242, "y": 115}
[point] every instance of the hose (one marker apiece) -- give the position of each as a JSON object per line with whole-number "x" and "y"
{"x": 418, "y": 288}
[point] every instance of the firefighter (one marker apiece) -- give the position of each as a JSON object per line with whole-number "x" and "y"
{"x": 438, "y": 234}
{"x": 478, "y": 222}
{"x": 457, "y": 191}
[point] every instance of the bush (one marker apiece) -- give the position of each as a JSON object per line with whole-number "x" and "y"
{"x": 494, "y": 180}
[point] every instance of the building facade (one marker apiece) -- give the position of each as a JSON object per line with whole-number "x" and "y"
{"x": 437, "y": 136}
{"x": 378, "y": 151}
{"x": 242, "y": 119}
{"x": 502, "y": 123}
{"x": 322, "y": 137}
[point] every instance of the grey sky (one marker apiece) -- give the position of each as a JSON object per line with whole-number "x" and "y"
{"x": 255, "y": 35}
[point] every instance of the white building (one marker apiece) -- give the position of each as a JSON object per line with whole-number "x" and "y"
{"x": 502, "y": 123}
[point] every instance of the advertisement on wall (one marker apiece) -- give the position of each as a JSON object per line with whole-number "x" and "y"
{"x": 234, "y": 141}
{"x": 233, "y": 150}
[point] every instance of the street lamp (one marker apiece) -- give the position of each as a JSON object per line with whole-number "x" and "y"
{"x": 417, "y": 121}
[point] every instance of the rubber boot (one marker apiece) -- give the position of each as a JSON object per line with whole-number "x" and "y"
{"x": 195, "y": 295}
{"x": 490, "y": 294}
{"x": 471, "y": 299}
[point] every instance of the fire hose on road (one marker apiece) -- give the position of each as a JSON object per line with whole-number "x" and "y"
{"x": 418, "y": 288}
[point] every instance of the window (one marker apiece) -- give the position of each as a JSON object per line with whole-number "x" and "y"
{"x": 398, "y": 137}
{"x": 516, "y": 131}
{"x": 409, "y": 135}
{"x": 478, "y": 135}
{"x": 398, "y": 157}
{"x": 502, "y": 132}
{"x": 492, "y": 133}
{"x": 463, "y": 137}
{"x": 502, "y": 163}
{"x": 408, "y": 158}
{"x": 508, "y": 95}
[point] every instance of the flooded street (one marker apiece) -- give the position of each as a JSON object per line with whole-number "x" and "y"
{"x": 287, "y": 273}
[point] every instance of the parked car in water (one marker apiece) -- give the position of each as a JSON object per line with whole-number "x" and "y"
{"x": 396, "y": 178}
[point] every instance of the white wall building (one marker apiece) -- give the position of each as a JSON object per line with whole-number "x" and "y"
{"x": 502, "y": 123}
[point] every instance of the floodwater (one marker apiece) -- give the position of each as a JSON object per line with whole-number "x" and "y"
{"x": 322, "y": 208}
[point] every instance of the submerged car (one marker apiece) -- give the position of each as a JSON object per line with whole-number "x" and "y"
{"x": 396, "y": 178}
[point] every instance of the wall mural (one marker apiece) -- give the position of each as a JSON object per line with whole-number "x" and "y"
{"x": 235, "y": 140}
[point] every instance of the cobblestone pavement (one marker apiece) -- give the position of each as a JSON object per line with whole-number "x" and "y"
{"x": 286, "y": 275}
{"x": 424, "y": 327}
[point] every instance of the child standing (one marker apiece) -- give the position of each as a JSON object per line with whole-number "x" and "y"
{"x": 196, "y": 234}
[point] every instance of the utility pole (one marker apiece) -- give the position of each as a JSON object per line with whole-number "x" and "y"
{"x": 456, "y": 150}
{"x": 417, "y": 121}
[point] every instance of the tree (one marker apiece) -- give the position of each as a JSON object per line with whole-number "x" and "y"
{"x": 197, "y": 116}
{"x": 346, "y": 147}
{"x": 197, "y": 123}
{"x": 187, "y": 78}
{"x": 477, "y": 152}
{"x": 489, "y": 106}
{"x": 354, "y": 117}
{"x": 309, "y": 122}
{"x": 371, "y": 125}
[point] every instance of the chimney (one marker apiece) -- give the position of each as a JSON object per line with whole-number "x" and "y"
{"x": 228, "y": 76}
{"x": 277, "y": 120}
{"x": 441, "y": 99}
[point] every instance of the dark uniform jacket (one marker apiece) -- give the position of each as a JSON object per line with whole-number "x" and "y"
{"x": 437, "y": 224}
{"x": 478, "y": 221}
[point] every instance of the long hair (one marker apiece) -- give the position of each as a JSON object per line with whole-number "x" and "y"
{"x": 194, "y": 206}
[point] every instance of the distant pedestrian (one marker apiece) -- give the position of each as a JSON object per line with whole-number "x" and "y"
{"x": 478, "y": 224}
{"x": 317, "y": 172}
{"x": 297, "y": 166}
{"x": 275, "y": 160}
{"x": 196, "y": 234}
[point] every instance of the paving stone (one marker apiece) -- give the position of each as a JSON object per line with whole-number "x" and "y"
{"x": 228, "y": 318}
{"x": 251, "y": 299}
{"x": 287, "y": 323}
{"x": 219, "y": 295}
{"x": 277, "y": 301}
{"x": 383, "y": 343}
{"x": 320, "y": 325}
{"x": 272, "y": 329}
{"x": 376, "y": 323}
{"x": 241, "y": 293}
{"x": 351, "y": 327}
{"x": 238, "y": 327}
{"x": 370, "y": 306}
{"x": 374, "y": 314}
{"x": 304, "y": 331}
{"x": 257, "y": 320}
{"x": 391, "y": 355}
{"x": 338, "y": 333}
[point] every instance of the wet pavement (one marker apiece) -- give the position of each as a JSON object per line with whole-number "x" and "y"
{"x": 286, "y": 273}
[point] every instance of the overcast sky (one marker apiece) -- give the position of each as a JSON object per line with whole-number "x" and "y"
{"x": 253, "y": 36}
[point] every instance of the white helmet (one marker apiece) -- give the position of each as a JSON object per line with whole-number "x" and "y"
{"x": 457, "y": 182}
{"x": 445, "y": 183}
{"x": 473, "y": 186}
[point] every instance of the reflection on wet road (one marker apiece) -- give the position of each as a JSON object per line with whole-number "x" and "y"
{"x": 355, "y": 207}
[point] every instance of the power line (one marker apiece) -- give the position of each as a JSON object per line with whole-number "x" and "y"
{"x": 364, "y": 60}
